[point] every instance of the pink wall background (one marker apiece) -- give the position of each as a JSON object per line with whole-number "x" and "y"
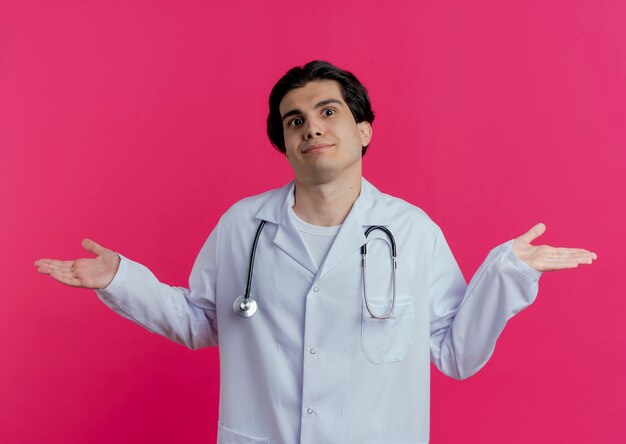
{"x": 137, "y": 123}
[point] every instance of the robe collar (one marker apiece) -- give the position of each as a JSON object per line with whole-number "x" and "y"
{"x": 369, "y": 209}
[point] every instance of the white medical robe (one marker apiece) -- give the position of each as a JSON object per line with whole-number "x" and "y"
{"x": 311, "y": 366}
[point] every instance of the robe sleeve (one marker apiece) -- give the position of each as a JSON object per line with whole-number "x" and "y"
{"x": 184, "y": 315}
{"x": 466, "y": 320}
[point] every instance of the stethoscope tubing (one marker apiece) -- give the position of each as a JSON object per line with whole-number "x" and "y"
{"x": 252, "y": 256}
{"x": 245, "y": 306}
{"x": 394, "y": 266}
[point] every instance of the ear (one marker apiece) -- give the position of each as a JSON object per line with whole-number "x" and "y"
{"x": 365, "y": 132}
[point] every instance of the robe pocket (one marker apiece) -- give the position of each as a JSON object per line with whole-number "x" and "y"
{"x": 387, "y": 340}
{"x": 228, "y": 436}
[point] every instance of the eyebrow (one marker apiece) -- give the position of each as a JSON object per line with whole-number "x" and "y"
{"x": 295, "y": 112}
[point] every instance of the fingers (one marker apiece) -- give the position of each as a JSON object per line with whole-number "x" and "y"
{"x": 62, "y": 271}
{"x": 93, "y": 247}
{"x": 580, "y": 255}
{"x": 560, "y": 264}
{"x": 55, "y": 268}
{"x": 576, "y": 252}
{"x": 533, "y": 233}
{"x": 53, "y": 264}
{"x": 552, "y": 259}
{"x": 583, "y": 258}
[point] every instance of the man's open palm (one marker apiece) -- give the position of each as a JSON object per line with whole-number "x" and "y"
{"x": 97, "y": 272}
{"x": 547, "y": 258}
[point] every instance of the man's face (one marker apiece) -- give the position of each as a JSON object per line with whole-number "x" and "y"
{"x": 323, "y": 142}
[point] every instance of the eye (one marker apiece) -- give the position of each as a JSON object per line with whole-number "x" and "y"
{"x": 329, "y": 112}
{"x": 295, "y": 122}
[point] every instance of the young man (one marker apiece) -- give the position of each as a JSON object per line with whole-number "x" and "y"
{"x": 329, "y": 351}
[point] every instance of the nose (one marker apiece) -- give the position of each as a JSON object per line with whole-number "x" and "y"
{"x": 312, "y": 130}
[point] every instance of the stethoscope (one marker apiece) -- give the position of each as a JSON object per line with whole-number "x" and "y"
{"x": 245, "y": 306}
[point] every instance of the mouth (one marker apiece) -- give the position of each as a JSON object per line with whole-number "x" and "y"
{"x": 316, "y": 147}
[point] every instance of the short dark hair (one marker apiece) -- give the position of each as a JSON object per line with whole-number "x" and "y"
{"x": 353, "y": 92}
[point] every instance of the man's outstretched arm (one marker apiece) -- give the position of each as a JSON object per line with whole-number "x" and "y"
{"x": 184, "y": 315}
{"x": 466, "y": 321}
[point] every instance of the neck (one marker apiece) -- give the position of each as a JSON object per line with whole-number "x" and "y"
{"x": 326, "y": 204}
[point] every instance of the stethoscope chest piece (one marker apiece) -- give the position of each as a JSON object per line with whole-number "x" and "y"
{"x": 245, "y": 307}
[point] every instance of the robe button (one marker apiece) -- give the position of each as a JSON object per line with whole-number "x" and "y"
{"x": 309, "y": 410}
{"x": 316, "y": 289}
